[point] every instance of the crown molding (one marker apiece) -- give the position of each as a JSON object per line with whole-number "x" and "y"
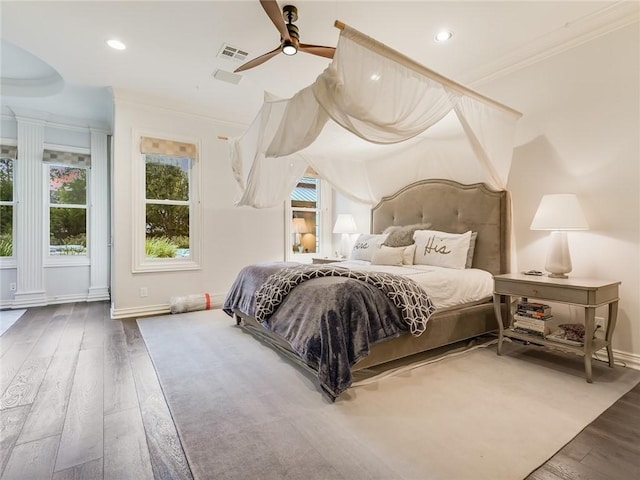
{"x": 152, "y": 103}
{"x": 50, "y": 120}
{"x": 572, "y": 34}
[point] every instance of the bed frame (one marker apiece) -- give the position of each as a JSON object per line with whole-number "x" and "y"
{"x": 451, "y": 207}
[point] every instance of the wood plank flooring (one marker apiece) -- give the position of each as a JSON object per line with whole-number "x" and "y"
{"x": 80, "y": 399}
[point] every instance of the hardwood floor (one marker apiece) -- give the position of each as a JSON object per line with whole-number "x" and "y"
{"x": 79, "y": 399}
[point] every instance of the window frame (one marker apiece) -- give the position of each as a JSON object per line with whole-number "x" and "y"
{"x": 65, "y": 260}
{"x": 323, "y": 214}
{"x": 140, "y": 262}
{"x": 11, "y": 262}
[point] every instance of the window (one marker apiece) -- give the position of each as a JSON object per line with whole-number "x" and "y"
{"x": 7, "y": 156}
{"x": 67, "y": 173}
{"x": 170, "y": 205}
{"x": 304, "y": 216}
{"x": 305, "y": 219}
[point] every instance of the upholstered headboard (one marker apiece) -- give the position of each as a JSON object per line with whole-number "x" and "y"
{"x": 456, "y": 208}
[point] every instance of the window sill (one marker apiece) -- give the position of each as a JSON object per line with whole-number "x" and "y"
{"x": 165, "y": 266}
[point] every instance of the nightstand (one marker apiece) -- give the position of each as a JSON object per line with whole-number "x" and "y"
{"x": 321, "y": 260}
{"x": 587, "y": 293}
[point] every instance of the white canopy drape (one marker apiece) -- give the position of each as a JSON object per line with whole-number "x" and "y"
{"x": 371, "y": 123}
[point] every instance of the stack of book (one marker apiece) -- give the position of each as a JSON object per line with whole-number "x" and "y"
{"x": 532, "y": 318}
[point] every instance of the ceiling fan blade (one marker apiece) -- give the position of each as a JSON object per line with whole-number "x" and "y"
{"x": 275, "y": 14}
{"x": 258, "y": 60}
{"x": 319, "y": 50}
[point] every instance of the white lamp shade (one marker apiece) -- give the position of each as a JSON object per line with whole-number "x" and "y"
{"x": 345, "y": 223}
{"x": 560, "y": 211}
{"x": 300, "y": 225}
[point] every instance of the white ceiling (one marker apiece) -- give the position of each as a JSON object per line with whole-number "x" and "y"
{"x": 173, "y": 45}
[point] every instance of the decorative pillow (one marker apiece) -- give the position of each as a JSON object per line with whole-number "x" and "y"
{"x": 403, "y": 236}
{"x": 472, "y": 248}
{"x": 393, "y": 255}
{"x": 441, "y": 249}
{"x": 408, "y": 254}
{"x": 387, "y": 256}
{"x": 365, "y": 245}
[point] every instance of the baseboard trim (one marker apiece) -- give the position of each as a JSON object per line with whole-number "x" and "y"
{"x": 630, "y": 360}
{"x": 217, "y": 299}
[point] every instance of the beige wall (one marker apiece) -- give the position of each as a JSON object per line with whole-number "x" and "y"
{"x": 232, "y": 237}
{"x": 580, "y": 134}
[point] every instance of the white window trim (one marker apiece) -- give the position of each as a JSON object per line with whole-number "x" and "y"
{"x": 325, "y": 196}
{"x": 140, "y": 262}
{"x": 64, "y": 260}
{"x": 11, "y": 262}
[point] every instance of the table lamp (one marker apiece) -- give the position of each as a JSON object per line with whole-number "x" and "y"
{"x": 559, "y": 213}
{"x": 299, "y": 227}
{"x": 345, "y": 224}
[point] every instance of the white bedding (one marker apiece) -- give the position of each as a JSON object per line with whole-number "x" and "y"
{"x": 447, "y": 287}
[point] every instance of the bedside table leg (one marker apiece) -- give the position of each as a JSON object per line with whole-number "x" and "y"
{"x": 589, "y": 322}
{"x": 611, "y": 325}
{"x": 497, "y": 308}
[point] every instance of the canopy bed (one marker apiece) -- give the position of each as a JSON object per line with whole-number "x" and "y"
{"x": 371, "y": 125}
{"x": 305, "y": 323}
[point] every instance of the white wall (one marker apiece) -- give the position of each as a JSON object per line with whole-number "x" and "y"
{"x": 41, "y": 280}
{"x": 233, "y": 237}
{"x": 580, "y": 134}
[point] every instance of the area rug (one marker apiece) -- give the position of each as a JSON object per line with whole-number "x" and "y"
{"x": 8, "y": 318}
{"x": 243, "y": 411}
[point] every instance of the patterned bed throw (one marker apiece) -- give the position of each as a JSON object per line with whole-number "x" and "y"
{"x": 408, "y": 296}
{"x": 330, "y": 316}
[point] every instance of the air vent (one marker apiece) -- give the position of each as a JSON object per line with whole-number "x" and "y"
{"x": 232, "y": 53}
{"x": 227, "y": 77}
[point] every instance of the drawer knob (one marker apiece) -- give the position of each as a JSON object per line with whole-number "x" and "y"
{"x": 535, "y": 291}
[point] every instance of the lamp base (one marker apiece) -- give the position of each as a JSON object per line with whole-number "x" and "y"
{"x": 344, "y": 245}
{"x": 558, "y": 275}
{"x": 558, "y": 262}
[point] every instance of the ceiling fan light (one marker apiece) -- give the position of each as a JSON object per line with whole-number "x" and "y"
{"x": 289, "y": 48}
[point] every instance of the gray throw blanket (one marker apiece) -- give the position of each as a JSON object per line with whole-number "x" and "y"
{"x": 331, "y": 322}
{"x": 407, "y": 295}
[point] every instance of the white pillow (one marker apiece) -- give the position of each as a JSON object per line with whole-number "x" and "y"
{"x": 408, "y": 254}
{"x": 393, "y": 255}
{"x": 387, "y": 256}
{"x": 441, "y": 249}
{"x": 365, "y": 245}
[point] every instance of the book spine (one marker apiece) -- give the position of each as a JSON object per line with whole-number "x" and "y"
{"x": 533, "y": 328}
{"x": 536, "y": 321}
{"x": 528, "y": 332}
{"x": 534, "y": 307}
{"x": 533, "y": 313}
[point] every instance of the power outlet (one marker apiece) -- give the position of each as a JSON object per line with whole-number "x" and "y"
{"x": 600, "y": 322}
{"x": 143, "y": 291}
{"x": 13, "y": 287}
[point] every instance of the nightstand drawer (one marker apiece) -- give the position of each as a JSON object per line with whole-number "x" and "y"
{"x": 544, "y": 292}
{"x": 322, "y": 260}
{"x": 586, "y": 295}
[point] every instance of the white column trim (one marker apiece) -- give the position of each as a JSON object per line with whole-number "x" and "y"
{"x": 99, "y": 218}
{"x": 29, "y": 216}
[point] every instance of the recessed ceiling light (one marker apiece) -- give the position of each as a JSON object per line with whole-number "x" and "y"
{"x": 443, "y": 36}
{"x": 375, "y": 77}
{"x": 116, "y": 44}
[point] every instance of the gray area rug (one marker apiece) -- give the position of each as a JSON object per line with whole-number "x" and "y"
{"x": 244, "y": 412}
{"x": 8, "y": 318}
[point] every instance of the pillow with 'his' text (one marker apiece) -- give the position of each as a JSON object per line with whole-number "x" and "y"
{"x": 441, "y": 249}
{"x": 365, "y": 245}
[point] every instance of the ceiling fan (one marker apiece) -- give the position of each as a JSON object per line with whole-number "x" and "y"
{"x": 289, "y": 36}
